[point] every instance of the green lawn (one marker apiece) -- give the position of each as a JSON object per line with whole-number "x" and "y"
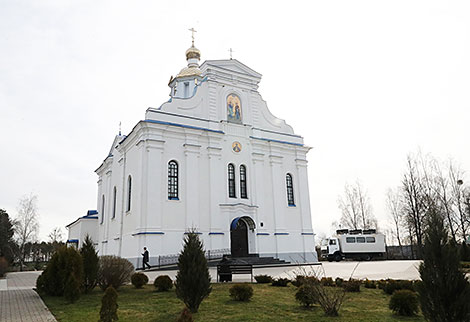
{"x": 269, "y": 303}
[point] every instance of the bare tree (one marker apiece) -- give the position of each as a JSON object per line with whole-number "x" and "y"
{"x": 355, "y": 208}
{"x": 26, "y": 224}
{"x": 55, "y": 238}
{"x": 457, "y": 187}
{"x": 397, "y": 215}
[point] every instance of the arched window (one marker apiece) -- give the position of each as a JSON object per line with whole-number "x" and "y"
{"x": 114, "y": 202}
{"x": 243, "y": 193}
{"x": 129, "y": 192}
{"x": 173, "y": 180}
{"x": 290, "y": 190}
{"x": 102, "y": 209}
{"x": 231, "y": 181}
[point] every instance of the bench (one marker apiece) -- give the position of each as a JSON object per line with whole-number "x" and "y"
{"x": 224, "y": 271}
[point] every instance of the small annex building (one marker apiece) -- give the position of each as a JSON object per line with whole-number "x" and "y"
{"x": 214, "y": 159}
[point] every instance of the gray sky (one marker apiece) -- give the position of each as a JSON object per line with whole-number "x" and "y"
{"x": 364, "y": 82}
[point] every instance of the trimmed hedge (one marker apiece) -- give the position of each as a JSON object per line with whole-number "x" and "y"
{"x": 241, "y": 292}
{"x": 139, "y": 280}
{"x": 263, "y": 279}
{"x": 307, "y": 294}
{"x": 163, "y": 283}
{"x": 352, "y": 285}
{"x": 280, "y": 282}
{"x": 114, "y": 271}
{"x": 404, "y": 302}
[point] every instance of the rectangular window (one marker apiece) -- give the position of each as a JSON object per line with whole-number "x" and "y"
{"x": 350, "y": 239}
{"x": 360, "y": 239}
{"x": 332, "y": 242}
{"x": 370, "y": 239}
{"x": 186, "y": 89}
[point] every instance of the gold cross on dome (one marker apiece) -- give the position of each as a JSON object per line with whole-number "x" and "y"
{"x": 192, "y": 34}
{"x": 231, "y": 52}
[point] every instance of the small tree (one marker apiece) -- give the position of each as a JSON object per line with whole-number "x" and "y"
{"x": 193, "y": 279}
{"x": 444, "y": 291}
{"x": 90, "y": 264}
{"x": 72, "y": 289}
{"x": 6, "y": 236}
{"x": 109, "y": 306}
{"x": 26, "y": 225}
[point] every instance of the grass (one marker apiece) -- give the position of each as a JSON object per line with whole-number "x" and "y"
{"x": 268, "y": 304}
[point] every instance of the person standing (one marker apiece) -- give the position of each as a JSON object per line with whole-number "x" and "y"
{"x": 145, "y": 259}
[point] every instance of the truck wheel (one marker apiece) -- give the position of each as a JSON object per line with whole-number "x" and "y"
{"x": 367, "y": 258}
{"x": 337, "y": 257}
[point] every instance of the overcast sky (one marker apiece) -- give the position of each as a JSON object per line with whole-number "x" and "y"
{"x": 364, "y": 82}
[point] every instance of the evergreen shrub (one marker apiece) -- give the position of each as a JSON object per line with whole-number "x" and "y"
{"x": 185, "y": 316}
{"x": 395, "y": 285}
{"x": 339, "y": 282}
{"x": 114, "y": 271}
{"x": 193, "y": 279}
{"x": 65, "y": 262}
{"x": 90, "y": 264}
{"x": 369, "y": 284}
{"x": 381, "y": 284}
{"x": 139, "y": 280}
{"x": 327, "y": 281}
{"x": 3, "y": 266}
{"x": 263, "y": 279}
{"x": 404, "y": 302}
{"x": 444, "y": 293}
{"x": 280, "y": 282}
{"x": 109, "y": 306}
{"x": 72, "y": 289}
{"x": 163, "y": 283}
{"x": 241, "y": 292}
{"x": 307, "y": 294}
{"x": 352, "y": 285}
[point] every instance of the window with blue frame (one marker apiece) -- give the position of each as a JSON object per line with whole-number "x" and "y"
{"x": 243, "y": 193}
{"x": 129, "y": 193}
{"x": 231, "y": 181}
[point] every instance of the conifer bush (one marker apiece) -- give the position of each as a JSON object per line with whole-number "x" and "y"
{"x": 139, "y": 280}
{"x": 352, "y": 285}
{"x": 90, "y": 264}
{"x": 444, "y": 293}
{"x": 193, "y": 279}
{"x": 3, "y": 266}
{"x": 163, "y": 283}
{"x": 65, "y": 262}
{"x": 263, "y": 279}
{"x": 339, "y": 282}
{"x": 185, "y": 316}
{"x": 114, "y": 271}
{"x": 327, "y": 281}
{"x": 307, "y": 294}
{"x": 280, "y": 282}
{"x": 404, "y": 302}
{"x": 109, "y": 306}
{"x": 72, "y": 289}
{"x": 369, "y": 284}
{"x": 241, "y": 292}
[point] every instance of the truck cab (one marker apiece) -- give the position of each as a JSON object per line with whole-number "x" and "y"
{"x": 330, "y": 249}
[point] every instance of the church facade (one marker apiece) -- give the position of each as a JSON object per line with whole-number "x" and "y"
{"x": 212, "y": 159}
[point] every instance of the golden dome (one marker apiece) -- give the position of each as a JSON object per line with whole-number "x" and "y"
{"x": 193, "y": 52}
{"x": 189, "y": 71}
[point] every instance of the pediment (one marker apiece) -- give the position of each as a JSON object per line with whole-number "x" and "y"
{"x": 231, "y": 65}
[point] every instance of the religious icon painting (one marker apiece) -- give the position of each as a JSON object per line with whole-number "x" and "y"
{"x": 236, "y": 146}
{"x": 234, "y": 109}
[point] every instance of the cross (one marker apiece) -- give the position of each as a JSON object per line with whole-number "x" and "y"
{"x": 231, "y": 52}
{"x": 119, "y": 128}
{"x": 192, "y": 34}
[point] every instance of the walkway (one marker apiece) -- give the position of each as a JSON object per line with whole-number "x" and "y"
{"x": 18, "y": 301}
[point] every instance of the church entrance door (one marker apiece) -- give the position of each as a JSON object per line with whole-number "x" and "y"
{"x": 239, "y": 239}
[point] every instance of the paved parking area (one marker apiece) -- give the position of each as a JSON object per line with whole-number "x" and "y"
{"x": 18, "y": 301}
{"x": 374, "y": 270}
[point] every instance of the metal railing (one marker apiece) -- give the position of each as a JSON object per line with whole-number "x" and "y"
{"x": 167, "y": 260}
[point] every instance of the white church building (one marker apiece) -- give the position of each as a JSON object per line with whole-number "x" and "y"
{"x": 213, "y": 159}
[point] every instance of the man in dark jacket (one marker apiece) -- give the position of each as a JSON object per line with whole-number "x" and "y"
{"x": 146, "y": 258}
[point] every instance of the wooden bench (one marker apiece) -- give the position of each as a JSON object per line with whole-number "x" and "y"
{"x": 234, "y": 269}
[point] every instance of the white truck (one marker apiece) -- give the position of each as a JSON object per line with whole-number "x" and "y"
{"x": 355, "y": 244}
